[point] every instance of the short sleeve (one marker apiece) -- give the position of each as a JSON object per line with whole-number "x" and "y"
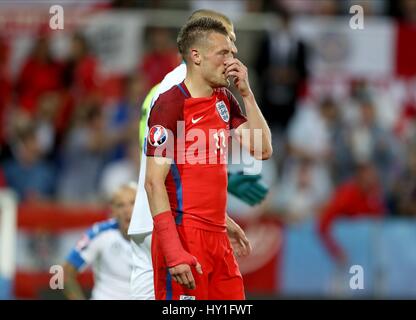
{"x": 237, "y": 117}
{"x": 85, "y": 251}
{"x": 162, "y": 123}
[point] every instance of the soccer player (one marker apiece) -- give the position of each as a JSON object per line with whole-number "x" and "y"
{"x": 106, "y": 247}
{"x": 191, "y": 253}
{"x": 244, "y": 187}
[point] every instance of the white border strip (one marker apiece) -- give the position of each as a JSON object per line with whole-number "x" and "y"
{"x": 8, "y": 233}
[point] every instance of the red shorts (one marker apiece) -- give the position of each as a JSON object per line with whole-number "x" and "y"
{"x": 221, "y": 278}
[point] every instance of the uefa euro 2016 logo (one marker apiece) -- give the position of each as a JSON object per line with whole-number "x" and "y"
{"x": 158, "y": 135}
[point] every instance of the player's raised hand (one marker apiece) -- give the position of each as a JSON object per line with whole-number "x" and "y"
{"x": 236, "y": 69}
{"x": 182, "y": 274}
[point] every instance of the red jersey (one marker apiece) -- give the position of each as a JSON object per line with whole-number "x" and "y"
{"x": 194, "y": 133}
{"x": 37, "y": 78}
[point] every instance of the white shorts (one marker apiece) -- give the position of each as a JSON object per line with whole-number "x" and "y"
{"x": 141, "y": 280}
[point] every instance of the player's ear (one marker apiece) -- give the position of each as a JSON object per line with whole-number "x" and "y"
{"x": 195, "y": 56}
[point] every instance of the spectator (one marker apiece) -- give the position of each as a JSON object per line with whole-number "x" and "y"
{"x": 5, "y": 86}
{"x": 81, "y": 72}
{"x": 405, "y": 127}
{"x": 162, "y": 57}
{"x": 370, "y": 142}
{"x": 302, "y": 192}
{"x": 281, "y": 66}
{"x": 309, "y": 137}
{"x": 339, "y": 159}
{"x": 359, "y": 197}
{"x": 84, "y": 155}
{"x": 40, "y": 74}
{"x": 46, "y": 129}
{"x": 27, "y": 173}
{"x": 125, "y": 114}
{"x": 404, "y": 192}
{"x": 311, "y": 130}
{"x": 387, "y": 108}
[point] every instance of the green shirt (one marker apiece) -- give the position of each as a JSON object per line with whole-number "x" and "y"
{"x": 147, "y": 103}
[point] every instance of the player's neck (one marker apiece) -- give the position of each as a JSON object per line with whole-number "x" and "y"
{"x": 197, "y": 86}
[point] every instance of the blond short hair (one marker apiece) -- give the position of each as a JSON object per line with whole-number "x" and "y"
{"x": 196, "y": 31}
{"x": 210, "y": 14}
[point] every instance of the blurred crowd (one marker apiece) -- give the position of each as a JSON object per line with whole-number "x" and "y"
{"x": 70, "y": 135}
{"x": 404, "y": 10}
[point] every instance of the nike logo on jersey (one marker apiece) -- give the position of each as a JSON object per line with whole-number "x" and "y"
{"x": 196, "y": 120}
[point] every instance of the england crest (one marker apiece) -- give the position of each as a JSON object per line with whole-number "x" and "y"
{"x": 223, "y": 111}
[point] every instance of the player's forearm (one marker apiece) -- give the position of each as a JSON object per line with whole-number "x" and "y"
{"x": 164, "y": 227}
{"x": 256, "y": 120}
{"x": 157, "y": 196}
{"x": 230, "y": 223}
{"x": 72, "y": 288}
{"x": 73, "y": 291}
